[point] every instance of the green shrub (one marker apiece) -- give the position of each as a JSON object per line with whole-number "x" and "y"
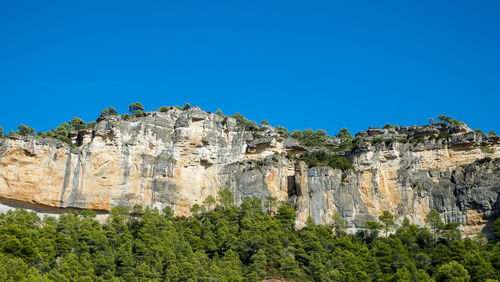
{"x": 282, "y": 131}
{"x": 136, "y": 109}
{"x": 487, "y": 150}
{"x": 163, "y": 109}
{"x": 25, "y": 130}
{"x": 443, "y": 135}
{"x": 343, "y": 133}
{"x": 492, "y": 133}
{"x": 112, "y": 111}
{"x": 77, "y": 123}
{"x": 321, "y": 158}
{"x": 479, "y": 131}
{"x": 311, "y": 138}
{"x": 245, "y": 123}
{"x": 91, "y": 125}
{"x": 377, "y": 140}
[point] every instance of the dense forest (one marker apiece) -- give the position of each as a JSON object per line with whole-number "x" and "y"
{"x": 222, "y": 242}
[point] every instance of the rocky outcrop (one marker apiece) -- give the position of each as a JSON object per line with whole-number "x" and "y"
{"x": 178, "y": 158}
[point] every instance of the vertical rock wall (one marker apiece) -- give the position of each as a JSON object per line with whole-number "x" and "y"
{"x": 178, "y": 158}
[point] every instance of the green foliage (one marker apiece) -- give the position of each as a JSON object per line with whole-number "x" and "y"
{"x": 452, "y": 271}
{"x": 136, "y": 109}
{"x": 25, "y": 130}
{"x": 450, "y": 231}
{"x": 433, "y": 219}
{"x": 343, "y": 133}
{"x": 387, "y": 126}
{"x": 338, "y": 223}
{"x": 271, "y": 204}
{"x": 496, "y": 229}
{"x": 209, "y": 202}
{"x": 245, "y": 123}
{"x": 111, "y": 111}
{"x": 77, "y": 123}
{"x": 61, "y": 132}
{"x": 219, "y": 113}
{"x": 311, "y": 138}
{"x": 163, "y": 109}
{"x": 479, "y": 131}
{"x": 322, "y": 158}
{"x": 1, "y": 131}
{"x": 487, "y": 150}
{"x": 492, "y": 133}
{"x": 282, "y": 131}
{"x": 225, "y": 198}
{"x": 372, "y": 227}
{"x": 91, "y": 125}
{"x": 446, "y": 120}
{"x": 387, "y": 220}
{"x": 226, "y": 244}
{"x": 187, "y": 106}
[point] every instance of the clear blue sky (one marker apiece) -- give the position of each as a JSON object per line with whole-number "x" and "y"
{"x": 299, "y": 64}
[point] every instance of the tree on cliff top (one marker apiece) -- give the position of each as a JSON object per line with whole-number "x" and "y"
{"x": 343, "y": 133}
{"x": 136, "y": 109}
{"x": 77, "y": 123}
{"x": 25, "y": 130}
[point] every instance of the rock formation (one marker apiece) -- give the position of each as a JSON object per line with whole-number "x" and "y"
{"x": 179, "y": 157}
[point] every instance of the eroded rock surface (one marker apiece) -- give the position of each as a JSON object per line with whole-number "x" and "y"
{"x": 178, "y": 158}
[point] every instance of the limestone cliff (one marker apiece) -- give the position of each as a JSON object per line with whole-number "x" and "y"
{"x": 178, "y": 158}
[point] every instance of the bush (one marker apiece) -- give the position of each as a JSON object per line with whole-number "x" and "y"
{"x": 446, "y": 120}
{"x": 282, "y": 131}
{"x": 163, "y": 109}
{"x": 136, "y": 109}
{"x": 77, "y": 123}
{"x": 377, "y": 140}
{"x": 1, "y": 131}
{"x": 487, "y": 150}
{"x": 479, "y": 131}
{"x": 112, "y": 111}
{"x": 245, "y": 123}
{"x": 25, "y": 130}
{"x": 91, "y": 125}
{"x": 343, "y": 133}
{"x": 492, "y": 133}
{"x": 187, "y": 106}
{"x": 321, "y": 158}
{"x": 311, "y": 138}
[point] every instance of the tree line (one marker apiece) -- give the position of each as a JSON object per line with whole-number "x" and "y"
{"x": 222, "y": 242}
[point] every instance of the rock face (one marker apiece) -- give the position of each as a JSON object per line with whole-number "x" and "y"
{"x": 178, "y": 158}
